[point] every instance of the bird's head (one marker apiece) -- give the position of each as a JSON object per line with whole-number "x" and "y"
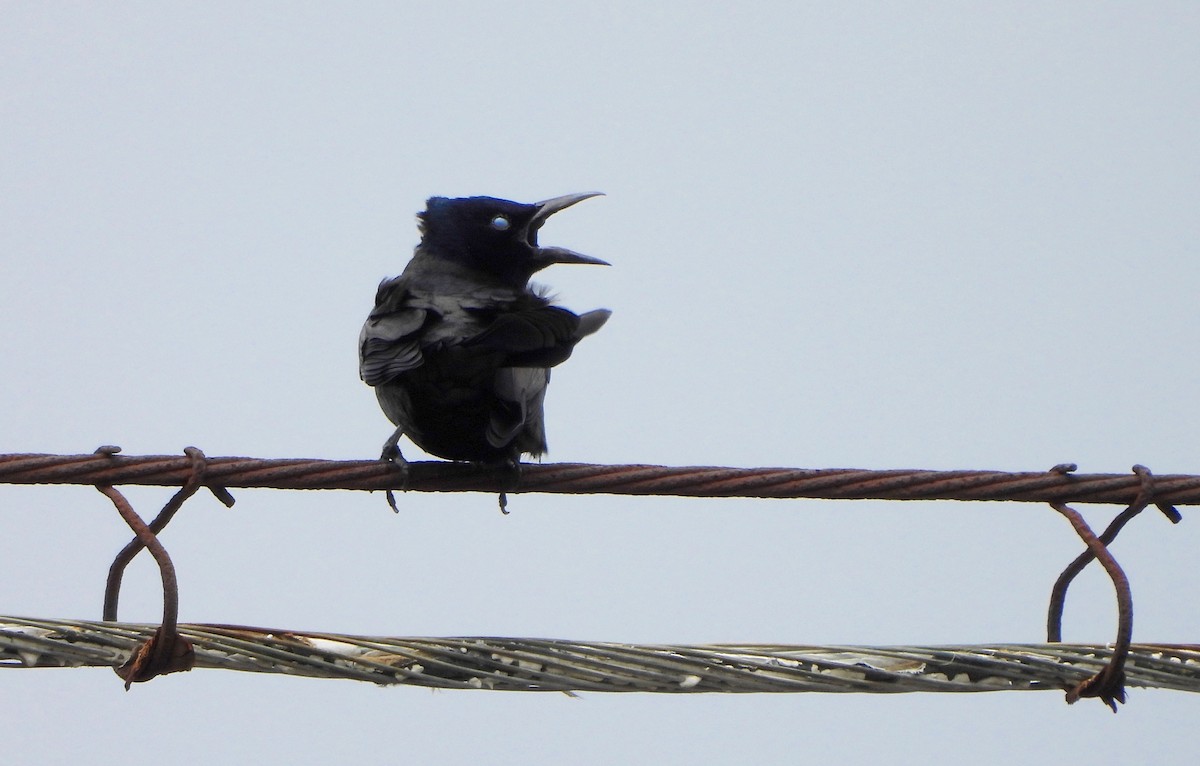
{"x": 495, "y": 236}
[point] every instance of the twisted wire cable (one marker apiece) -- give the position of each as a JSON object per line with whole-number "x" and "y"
{"x": 582, "y": 478}
{"x": 524, "y": 664}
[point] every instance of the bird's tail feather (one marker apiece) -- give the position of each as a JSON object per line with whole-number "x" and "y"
{"x": 592, "y": 321}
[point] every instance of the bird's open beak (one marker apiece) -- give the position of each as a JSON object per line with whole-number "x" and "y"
{"x": 545, "y": 209}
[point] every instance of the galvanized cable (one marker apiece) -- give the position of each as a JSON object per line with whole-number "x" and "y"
{"x": 581, "y": 478}
{"x": 516, "y": 664}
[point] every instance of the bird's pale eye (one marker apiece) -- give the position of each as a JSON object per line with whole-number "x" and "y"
{"x": 500, "y": 223}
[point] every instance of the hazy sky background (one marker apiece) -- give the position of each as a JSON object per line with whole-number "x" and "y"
{"x": 884, "y": 235}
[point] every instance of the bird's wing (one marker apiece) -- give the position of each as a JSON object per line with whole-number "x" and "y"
{"x": 389, "y": 343}
{"x": 535, "y": 337}
{"x": 532, "y": 341}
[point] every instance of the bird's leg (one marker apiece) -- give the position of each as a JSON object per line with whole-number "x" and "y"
{"x": 392, "y": 454}
{"x": 391, "y": 448}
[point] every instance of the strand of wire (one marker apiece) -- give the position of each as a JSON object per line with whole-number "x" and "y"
{"x": 582, "y": 478}
{"x": 520, "y": 664}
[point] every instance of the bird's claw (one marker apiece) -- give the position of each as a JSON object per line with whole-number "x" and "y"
{"x": 513, "y": 466}
{"x": 391, "y": 454}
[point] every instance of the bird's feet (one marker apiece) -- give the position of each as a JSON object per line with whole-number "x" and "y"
{"x": 391, "y": 454}
{"x": 511, "y": 481}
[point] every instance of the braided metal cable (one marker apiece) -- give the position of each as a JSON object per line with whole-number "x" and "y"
{"x": 517, "y": 664}
{"x": 581, "y": 478}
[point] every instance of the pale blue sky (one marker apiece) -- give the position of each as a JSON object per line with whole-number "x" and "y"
{"x": 925, "y": 235}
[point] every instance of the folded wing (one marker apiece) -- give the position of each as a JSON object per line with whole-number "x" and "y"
{"x": 389, "y": 343}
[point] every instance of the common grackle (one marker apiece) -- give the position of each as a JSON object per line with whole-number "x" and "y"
{"x": 459, "y": 347}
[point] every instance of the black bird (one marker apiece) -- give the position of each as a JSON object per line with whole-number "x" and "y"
{"x": 459, "y": 347}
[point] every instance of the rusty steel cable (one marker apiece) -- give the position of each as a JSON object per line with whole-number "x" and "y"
{"x": 146, "y": 538}
{"x": 581, "y": 478}
{"x": 522, "y": 664}
{"x": 1059, "y": 593}
{"x": 1109, "y": 683}
{"x": 166, "y": 651}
